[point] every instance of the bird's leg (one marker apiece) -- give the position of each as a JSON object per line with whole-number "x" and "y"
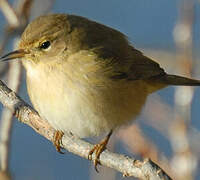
{"x": 57, "y": 140}
{"x": 98, "y": 149}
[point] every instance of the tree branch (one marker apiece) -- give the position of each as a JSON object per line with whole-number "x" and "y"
{"x": 128, "y": 166}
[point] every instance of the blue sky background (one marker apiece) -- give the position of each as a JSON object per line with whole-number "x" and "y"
{"x": 148, "y": 24}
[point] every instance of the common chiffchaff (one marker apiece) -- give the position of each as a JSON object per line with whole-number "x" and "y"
{"x": 85, "y": 77}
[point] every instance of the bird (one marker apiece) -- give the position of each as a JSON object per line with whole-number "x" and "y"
{"x": 87, "y": 78}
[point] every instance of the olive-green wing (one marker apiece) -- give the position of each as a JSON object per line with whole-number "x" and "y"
{"x": 143, "y": 68}
{"x": 140, "y": 67}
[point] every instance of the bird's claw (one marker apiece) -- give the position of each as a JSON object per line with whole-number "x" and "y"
{"x": 57, "y": 141}
{"x": 98, "y": 149}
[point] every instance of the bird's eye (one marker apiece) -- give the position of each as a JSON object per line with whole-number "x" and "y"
{"x": 45, "y": 45}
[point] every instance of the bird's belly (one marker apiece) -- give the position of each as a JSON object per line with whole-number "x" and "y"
{"x": 82, "y": 111}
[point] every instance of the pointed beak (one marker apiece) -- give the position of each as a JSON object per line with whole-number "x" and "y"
{"x": 13, "y": 55}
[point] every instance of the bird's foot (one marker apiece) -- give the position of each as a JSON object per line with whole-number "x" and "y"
{"x": 98, "y": 149}
{"x": 57, "y": 141}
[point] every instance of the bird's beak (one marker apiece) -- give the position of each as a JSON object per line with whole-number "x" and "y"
{"x": 13, "y": 55}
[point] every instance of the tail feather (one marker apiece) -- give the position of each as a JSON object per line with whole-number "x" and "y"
{"x": 177, "y": 80}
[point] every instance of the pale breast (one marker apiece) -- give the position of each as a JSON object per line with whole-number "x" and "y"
{"x": 84, "y": 111}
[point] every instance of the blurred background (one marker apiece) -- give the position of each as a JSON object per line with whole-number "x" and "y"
{"x": 168, "y": 130}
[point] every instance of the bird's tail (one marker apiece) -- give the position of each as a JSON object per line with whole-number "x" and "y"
{"x": 177, "y": 80}
{"x": 158, "y": 82}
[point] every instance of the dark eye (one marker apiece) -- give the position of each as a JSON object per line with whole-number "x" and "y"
{"x": 45, "y": 45}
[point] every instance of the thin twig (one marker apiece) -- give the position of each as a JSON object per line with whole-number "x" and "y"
{"x": 140, "y": 144}
{"x": 6, "y": 120}
{"x": 9, "y": 13}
